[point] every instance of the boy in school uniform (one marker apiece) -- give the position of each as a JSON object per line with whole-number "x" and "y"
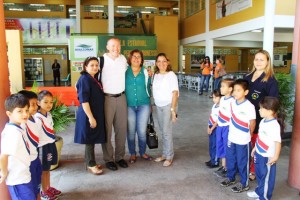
{"x": 15, "y": 152}
{"x": 33, "y": 135}
{"x": 223, "y": 123}
{"x": 242, "y": 124}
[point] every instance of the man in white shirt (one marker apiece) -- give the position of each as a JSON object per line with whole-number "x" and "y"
{"x": 115, "y": 106}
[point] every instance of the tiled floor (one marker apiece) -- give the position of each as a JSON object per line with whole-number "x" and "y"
{"x": 187, "y": 178}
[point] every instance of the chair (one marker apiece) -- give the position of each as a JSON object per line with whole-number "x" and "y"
{"x": 66, "y": 80}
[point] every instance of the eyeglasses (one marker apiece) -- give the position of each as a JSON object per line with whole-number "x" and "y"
{"x": 137, "y": 57}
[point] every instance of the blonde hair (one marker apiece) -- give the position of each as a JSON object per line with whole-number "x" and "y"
{"x": 269, "y": 72}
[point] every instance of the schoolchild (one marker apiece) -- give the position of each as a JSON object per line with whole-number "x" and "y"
{"x": 15, "y": 152}
{"x": 241, "y": 126}
{"x": 223, "y": 123}
{"x": 211, "y": 130}
{"x": 33, "y": 135}
{"x": 48, "y": 152}
{"x": 267, "y": 147}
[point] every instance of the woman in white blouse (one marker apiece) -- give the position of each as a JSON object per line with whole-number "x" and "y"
{"x": 165, "y": 94}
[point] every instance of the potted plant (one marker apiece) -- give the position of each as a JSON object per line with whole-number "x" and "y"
{"x": 287, "y": 100}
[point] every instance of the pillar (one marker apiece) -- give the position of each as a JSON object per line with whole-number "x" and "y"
{"x": 111, "y": 21}
{"x": 78, "y": 16}
{"x": 209, "y": 43}
{"x": 4, "y": 87}
{"x": 294, "y": 162}
{"x": 268, "y": 36}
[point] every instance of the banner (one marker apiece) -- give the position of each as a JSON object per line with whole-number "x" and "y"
{"x": 43, "y": 31}
{"x": 228, "y": 7}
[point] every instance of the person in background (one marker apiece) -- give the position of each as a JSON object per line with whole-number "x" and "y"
{"x": 137, "y": 90}
{"x": 56, "y": 72}
{"x": 211, "y": 130}
{"x": 115, "y": 105}
{"x": 15, "y": 152}
{"x": 90, "y": 124}
{"x": 165, "y": 94}
{"x": 33, "y": 135}
{"x": 206, "y": 68}
{"x": 267, "y": 147}
{"x": 217, "y": 77}
{"x": 261, "y": 83}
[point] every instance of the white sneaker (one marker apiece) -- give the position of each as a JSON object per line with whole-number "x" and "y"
{"x": 252, "y": 194}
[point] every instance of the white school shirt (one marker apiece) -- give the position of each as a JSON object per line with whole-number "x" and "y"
{"x": 268, "y": 134}
{"x": 113, "y": 74}
{"x": 33, "y": 135}
{"x": 47, "y": 134}
{"x": 239, "y": 126}
{"x": 214, "y": 114}
{"x": 14, "y": 144}
{"x": 163, "y": 87}
{"x": 224, "y": 111}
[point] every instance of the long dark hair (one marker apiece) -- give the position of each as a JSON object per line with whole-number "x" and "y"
{"x": 206, "y": 58}
{"x": 272, "y": 103}
{"x": 169, "y": 67}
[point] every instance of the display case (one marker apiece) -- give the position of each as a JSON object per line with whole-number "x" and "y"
{"x": 34, "y": 69}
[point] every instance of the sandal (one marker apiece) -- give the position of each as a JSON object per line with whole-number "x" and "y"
{"x": 147, "y": 157}
{"x": 94, "y": 170}
{"x": 159, "y": 159}
{"x": 167, "y": 163}
{"x": 252, "y": 177}
{"x": 132, "y": 159}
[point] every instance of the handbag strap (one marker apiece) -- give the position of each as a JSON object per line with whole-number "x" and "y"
{"x": 151, "y": 119}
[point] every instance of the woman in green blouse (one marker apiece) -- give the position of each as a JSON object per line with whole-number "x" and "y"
{"x": 137, "y": 89}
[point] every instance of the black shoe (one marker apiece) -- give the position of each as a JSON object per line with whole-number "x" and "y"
{"x": 213, "y": 166}
{"x": 200, "y": 93}
{"x": 122, "y": 163}
{"x": 207, "y": 163}
{"x": 111, "y": 166}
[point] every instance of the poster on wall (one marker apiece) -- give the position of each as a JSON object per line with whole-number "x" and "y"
{"x": 228, "y": 7}
{"x": 77, "y": 66}
{"x": 149, "y": 64}
{"x": 82, "y": 47}
{"x": 43, "y": 31}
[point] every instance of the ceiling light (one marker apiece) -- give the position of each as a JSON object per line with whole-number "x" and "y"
{"x": 124, "y": 6}
{"x": 122, "y": 11}
{"x": 16, "y": 9}
{"x": 37, "y": 4}
{"x": 43, "y": 10}
{"x": 150, "y": 8}
{"x": 256, "y": 31}
{"x": 9, "y": 4}
{"x": 101, "y": 6}
{"x": 146, "y": 12}
{"x": 96, "y": 10}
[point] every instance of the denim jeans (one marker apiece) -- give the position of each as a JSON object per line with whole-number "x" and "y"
{"x": 165, "y": 127}
{"x": 217, "y": 83}
{"x": 137, "y": 121}
{"x": 205, "y": 78}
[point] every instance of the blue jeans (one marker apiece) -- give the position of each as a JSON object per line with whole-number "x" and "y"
{"x": 217, "y": 83}
{"x": 137, "y": 121}
{"x": 165, "y": 126}
{"x": 205, "y": 78}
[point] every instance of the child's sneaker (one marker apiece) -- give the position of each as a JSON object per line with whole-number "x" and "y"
{"x": 218, "y": 170}
{"x": 47, "y": 196}
{"x": 227, "y": 182}
{"x": 54, "y": 191}
{"x": 239, "y": 188}
{"x": 222, "y": 172}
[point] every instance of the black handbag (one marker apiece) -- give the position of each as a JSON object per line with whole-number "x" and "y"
{"x": 152, "y": 139}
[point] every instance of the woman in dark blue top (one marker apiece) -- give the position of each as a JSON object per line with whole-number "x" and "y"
{"x": 261, "y": 83}
{"x": 137, "y": 90}
{"x": 90, "y": 126}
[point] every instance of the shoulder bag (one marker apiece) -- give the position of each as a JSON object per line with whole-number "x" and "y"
{"x": 151, "y": 135}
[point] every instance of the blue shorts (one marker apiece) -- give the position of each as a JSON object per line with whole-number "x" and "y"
{"x": 221, "y": 140}
{"x": 22, "y": 191}
{"x": 36, "y": 175}
{"x": 48, "y": 156}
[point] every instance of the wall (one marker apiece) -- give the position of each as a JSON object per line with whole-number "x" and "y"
{"x": 193, "y": 25}
{"x": 257, "y": 10}
{"x": 94, "y": 25}
{"x": 166, "y": 30}
{"x": 284, "y": 7}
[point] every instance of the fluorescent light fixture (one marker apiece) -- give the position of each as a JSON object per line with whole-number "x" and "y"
{"x": 124, "y": 6}
{"x": 146, "y": 12}
{"x": 256, "y": 31}
{"x": 96, "y": 10}
{"x": 43, "y": 10}
{"x": 37, "y": 4}
{"x": 16, "y": 9}
{"x": 101, "y": 6}
{"x": 122, "y": 11}
{"x": 175, "y": 8}
{"x": 150, "y": 8}
{"x": 9, "y": 4}
{"x": 73, "y": 15}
